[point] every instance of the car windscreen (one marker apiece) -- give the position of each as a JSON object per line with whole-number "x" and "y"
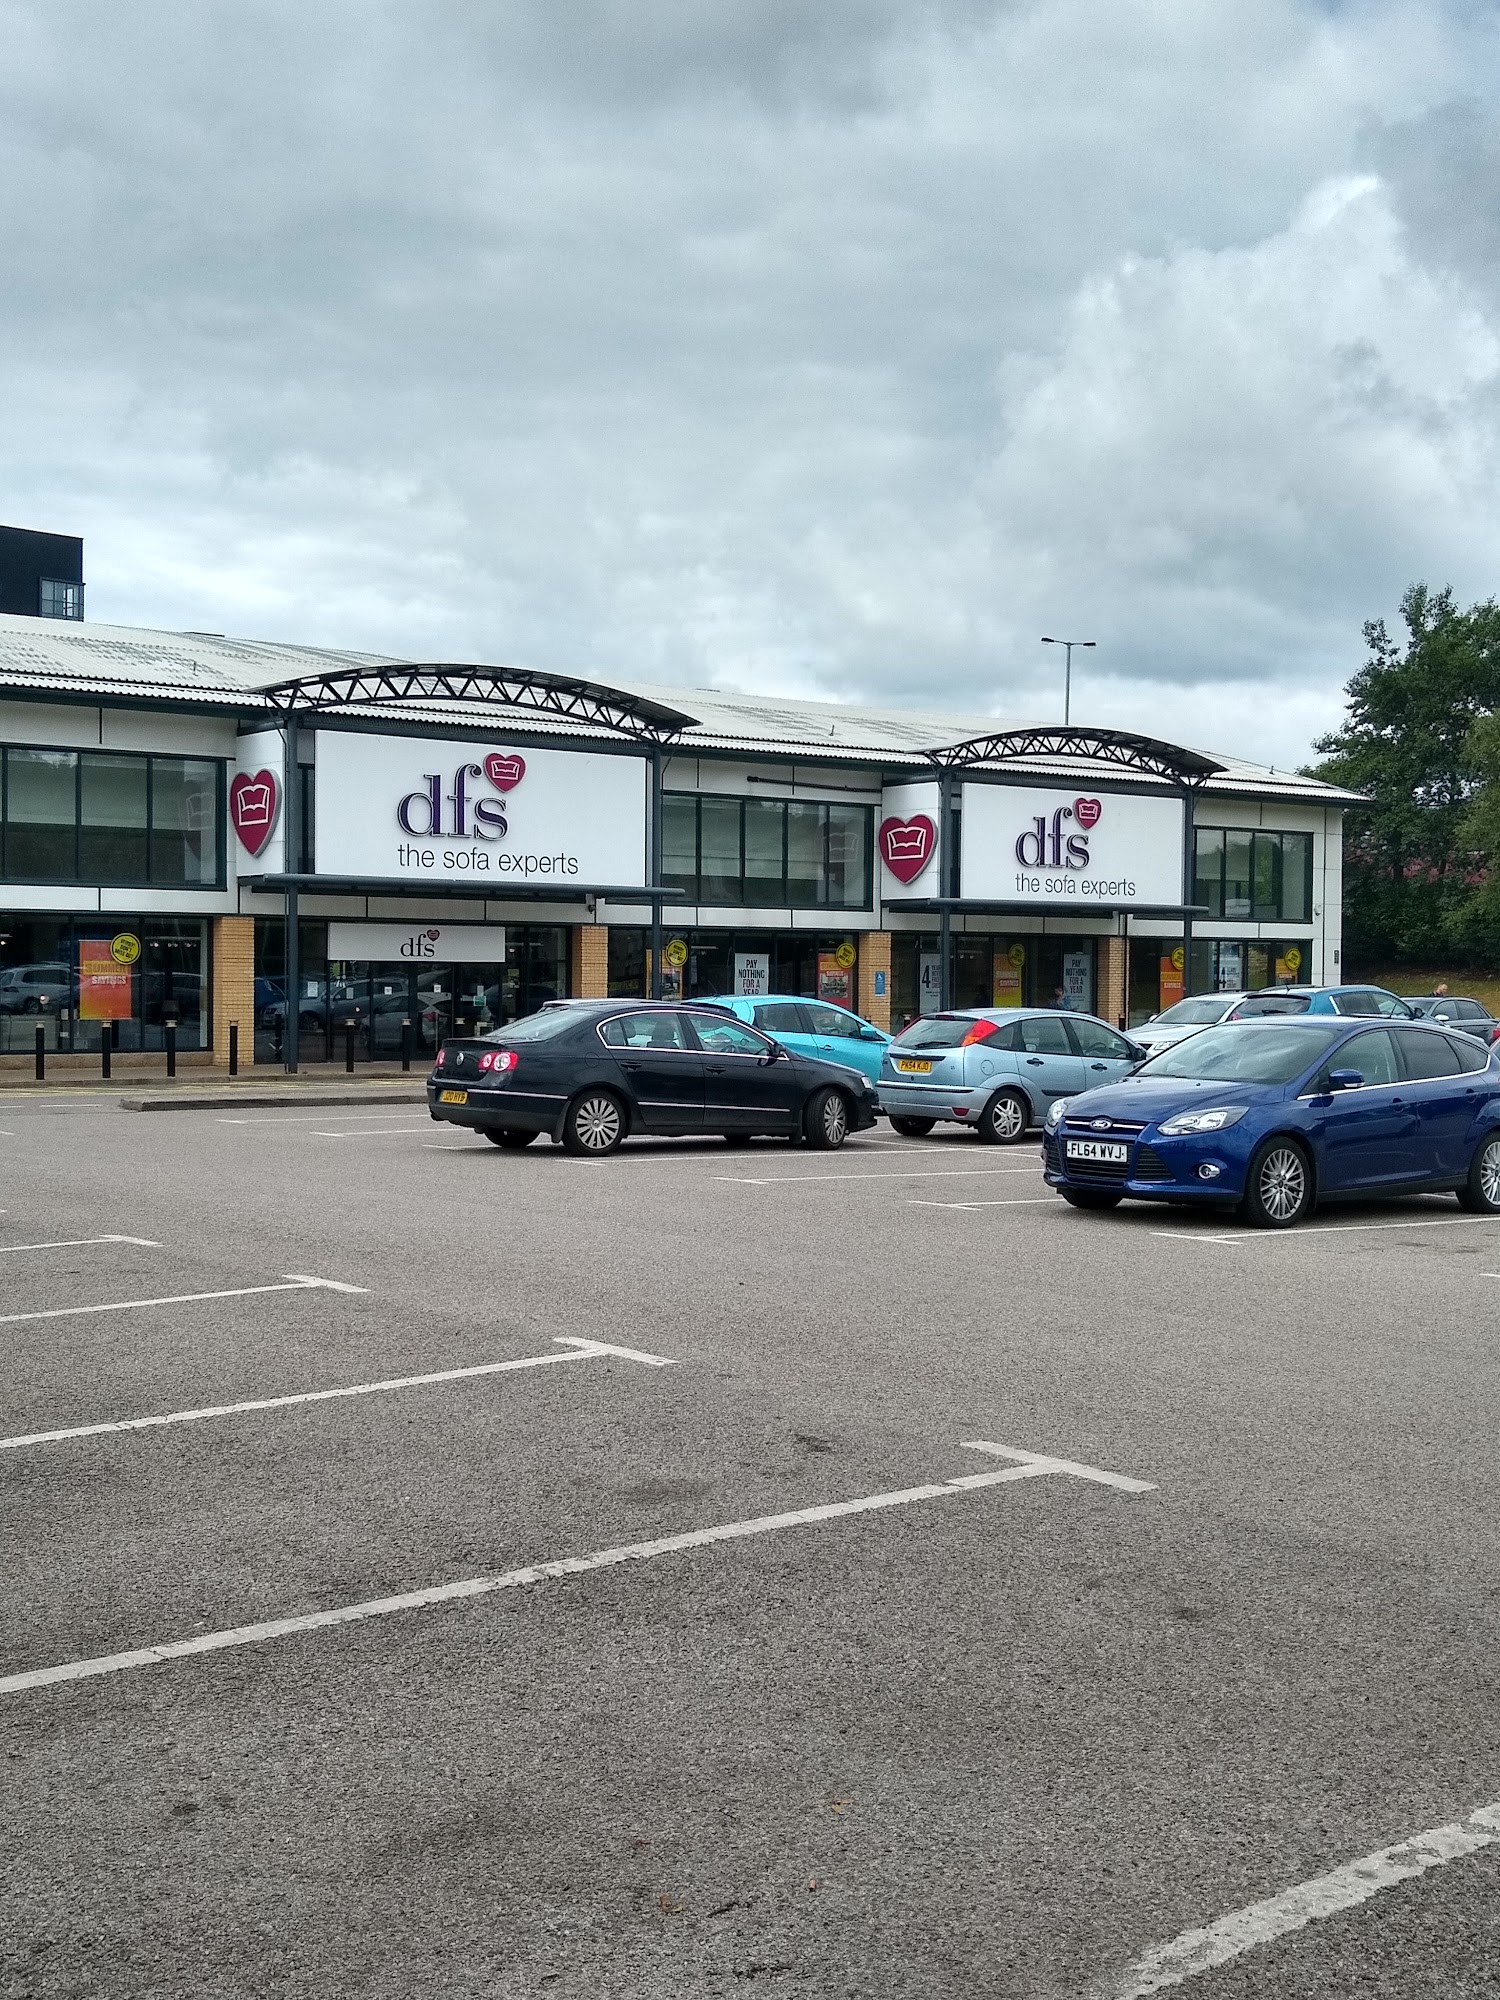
{"x": 1194, "y": 1013}
{"x": 543, "y": 1027}
{"x": 1244, "y": 1055}
{"x": 937, "y": 1031}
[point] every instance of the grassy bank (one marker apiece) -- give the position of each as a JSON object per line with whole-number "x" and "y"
{"x": 1476, "y": 985}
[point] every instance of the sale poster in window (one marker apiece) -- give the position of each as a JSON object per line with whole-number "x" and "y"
{"x": 104, "y": 984}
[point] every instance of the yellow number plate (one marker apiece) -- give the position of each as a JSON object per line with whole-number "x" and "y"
{"x": 453, "y": 1097}
{"x": 914, "y": 1068}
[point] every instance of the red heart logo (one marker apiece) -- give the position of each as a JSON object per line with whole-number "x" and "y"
{"x": 504, "y": 773}
{"x": 434, "y": 935}
{"x": 1087, "y": 811}
{"x": 907, "y": 845}
{"x": 254, "y": 801}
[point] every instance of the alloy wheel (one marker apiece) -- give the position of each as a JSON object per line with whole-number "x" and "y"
{"x": 1489, "y": 1174}
{"x": 1283, "y": 1182}
{"x": 835, "y": 1119}
{"x": 597, "y": 1123}
{"x": 1007, "y": 1119}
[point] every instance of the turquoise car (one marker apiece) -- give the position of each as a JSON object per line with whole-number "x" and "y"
{"x": 811, "y": 1028}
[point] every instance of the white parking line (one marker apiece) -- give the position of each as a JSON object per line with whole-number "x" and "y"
{"x": 78, "y": 1243}
{"x": 292, "y": 1284}
{"x": 1260, "y": 1923}
{"x": 1327, "y": 1229}
{"x": 579, "y": 1350}
{"x": 911, "y": 1174}
{"x": 1014, "y": 1201}
{"x": 376, "y": 1132}
{"x": 312, "y": 1118}
{"x": 519, "y": 1579}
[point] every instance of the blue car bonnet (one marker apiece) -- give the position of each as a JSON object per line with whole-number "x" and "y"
{"x": 1146, "y": 1102}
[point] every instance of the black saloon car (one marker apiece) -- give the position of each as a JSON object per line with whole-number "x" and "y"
{"x": 592, "y": 1072}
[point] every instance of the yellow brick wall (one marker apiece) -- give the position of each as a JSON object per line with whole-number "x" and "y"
{"x": 1112, "y": 1001}
{"x": 588, "y": 962}
{"x": 233, "y": 947}
{"x": 875, "y": 956}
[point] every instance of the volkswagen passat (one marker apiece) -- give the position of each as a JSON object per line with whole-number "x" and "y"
{"x": 1278, "y": 1115}
{"x": 593, "y": 1072}
{"x": 995, "y": 1069}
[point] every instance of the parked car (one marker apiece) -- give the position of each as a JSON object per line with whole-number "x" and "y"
{"x": 1278, "y": 1115}
{"x": 1471, "y": 1015}
{"x": 1352, "y": 1000}
{"x": 812, "y": 1028}
{"x": 594, "y": 1073}
{"x": 32, "y": 989}
{"x": 996, "y": 1070}
{"x": 1206, "y": 1010}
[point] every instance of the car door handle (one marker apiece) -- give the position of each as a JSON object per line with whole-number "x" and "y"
{"x": 1098, "y": 1065}
{"x": 716, "y": 1069}
{"x": 1034, "y": 1062}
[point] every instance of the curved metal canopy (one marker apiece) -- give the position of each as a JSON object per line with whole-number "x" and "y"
{"x": 1146, "y": 755}
{"x": 524, "y": 688}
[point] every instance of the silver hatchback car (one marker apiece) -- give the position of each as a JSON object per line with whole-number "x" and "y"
{"x": 996, "y": 1069}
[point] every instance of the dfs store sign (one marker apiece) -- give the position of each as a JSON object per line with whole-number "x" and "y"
{"x": 434, "y": 809}
{"x": 1019, "y": 845}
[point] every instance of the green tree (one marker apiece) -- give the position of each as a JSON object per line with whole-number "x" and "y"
{"x": 1406, "y": 744}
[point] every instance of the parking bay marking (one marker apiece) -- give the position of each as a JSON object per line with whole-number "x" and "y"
{"x": 78, "y": 1243}
{"x": 1032, "y": 1465}
{"x": 578, "y": 1350}
{"x": 912, "y": 1174}
{"x": 1195, "y": 1951}
{"x": 1327, "y": 1229}
{"x": 294, "y": 1283}
{"x": 1013, "y": 1201}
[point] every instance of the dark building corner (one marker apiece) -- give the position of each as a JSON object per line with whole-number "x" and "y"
{"x": 41, "y": 576}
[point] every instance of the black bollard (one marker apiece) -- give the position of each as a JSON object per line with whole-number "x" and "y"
{"x": 349, "y": 1047}
{"x": 41, "y": 1055}
{"x": 104, "y": 1049}
{"x": 169, "y": 1036}
{"x": 234, "y": 1048}
{"x": 406, "y": 1048}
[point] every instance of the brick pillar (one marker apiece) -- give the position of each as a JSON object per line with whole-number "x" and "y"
{"x": 588, "y": 962}
{"x": 875, "y": 956}
{"x": 233, "y": 948}
{"x": 1113, "y": 1002}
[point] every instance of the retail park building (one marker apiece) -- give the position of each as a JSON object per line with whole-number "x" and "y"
{"x": 191, "y": 823}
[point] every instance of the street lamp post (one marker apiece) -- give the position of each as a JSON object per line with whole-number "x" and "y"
{"x": 1069, "y": 644}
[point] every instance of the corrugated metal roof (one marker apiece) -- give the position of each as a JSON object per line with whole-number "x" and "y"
{"x": 58, "y": 658}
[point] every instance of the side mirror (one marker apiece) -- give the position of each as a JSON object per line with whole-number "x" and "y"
{"x": 1345, "y": 1079}
{"x": 869, "y": 1034}
{"x": 775, "y": 1053}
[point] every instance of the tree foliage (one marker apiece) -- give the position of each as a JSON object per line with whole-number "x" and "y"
{"x": 1421, "y": 717}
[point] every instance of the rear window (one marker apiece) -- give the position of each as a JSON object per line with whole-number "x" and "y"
{"x": 1198, "y": 1012}
{"x": 937, "y": 1031}
{"x": 780, "y": 1017}
{"x": 1425, "y": 1052}
{"x": 543, "y": 1027}
{"x": 1250, "y": 1054}
{"x": 1260, "y": 1004}
{"x": 1471, "y": 1055}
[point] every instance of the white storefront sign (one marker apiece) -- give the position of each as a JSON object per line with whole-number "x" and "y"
{"x": 433, "y": 809}
{"x": 442, "y": 944}
{"x": 1093, "y": 849}
{"x": 752, "y": 974}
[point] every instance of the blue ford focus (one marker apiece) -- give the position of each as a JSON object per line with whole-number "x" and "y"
{"x": 1277, "y": 1115}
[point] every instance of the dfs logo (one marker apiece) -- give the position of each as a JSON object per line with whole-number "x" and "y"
{"x": 1043, "y": 845}
{"x": 504, "y": 771}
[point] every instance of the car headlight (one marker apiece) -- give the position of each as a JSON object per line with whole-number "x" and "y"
{"x": 1212, "y": 1120}
{"x": 1055, "y": 1112}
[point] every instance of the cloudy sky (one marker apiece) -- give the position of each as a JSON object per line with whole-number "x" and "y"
{"x": 831, "y": 347}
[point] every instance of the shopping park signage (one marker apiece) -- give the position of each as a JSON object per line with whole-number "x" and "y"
{"x": 1092, "y": 848}
{"x": 438, "y": 944}
{"x": 434, "y": 809}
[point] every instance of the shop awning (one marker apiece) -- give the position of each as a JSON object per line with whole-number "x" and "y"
{"x": 473, "y": 891}
{"x": 974, "y": 906}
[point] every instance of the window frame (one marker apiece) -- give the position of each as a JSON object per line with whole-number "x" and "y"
{"x": 770, "y": 893}
{"x": 77, "y": 876}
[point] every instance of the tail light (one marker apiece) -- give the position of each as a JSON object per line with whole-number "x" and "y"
{"x": 442, "y": 1057}
{"x": 982, "y": 1031}
{"x": 501, "y": 1061}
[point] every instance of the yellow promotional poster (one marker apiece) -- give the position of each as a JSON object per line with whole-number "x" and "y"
{"x": 846, "y": 955}
{"x": 1172, "y": 984}
{"x": 675, "y": 954}
{"x": 835, "y": 980}
{"x": 104, "y": 984}
{"x": 125, "y": 948}
{"x": 1017, "y": 955}
{"x": 1293, "y": 960}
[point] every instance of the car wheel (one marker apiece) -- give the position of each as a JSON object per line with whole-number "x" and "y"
{"x": 594, "y": 1123}
{"x": 1480, "y": 1193}
{"x": 1004, "y": 1119}
{"x": 826, "y": 1121}
{"x": 1278, "y": 1188}
{"x": 509, "y": 1137}
{"x": 1091, "y": 1197}
{"x": 31, "y": 1005}
{"x": 913, "y": 1128}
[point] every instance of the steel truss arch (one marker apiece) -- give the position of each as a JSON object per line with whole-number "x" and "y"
{"x": 1146, "y": 756}
{"x": 590, "y": 704}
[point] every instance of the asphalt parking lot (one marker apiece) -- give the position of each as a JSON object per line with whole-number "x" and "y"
{"x": 434, "y": 1570}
